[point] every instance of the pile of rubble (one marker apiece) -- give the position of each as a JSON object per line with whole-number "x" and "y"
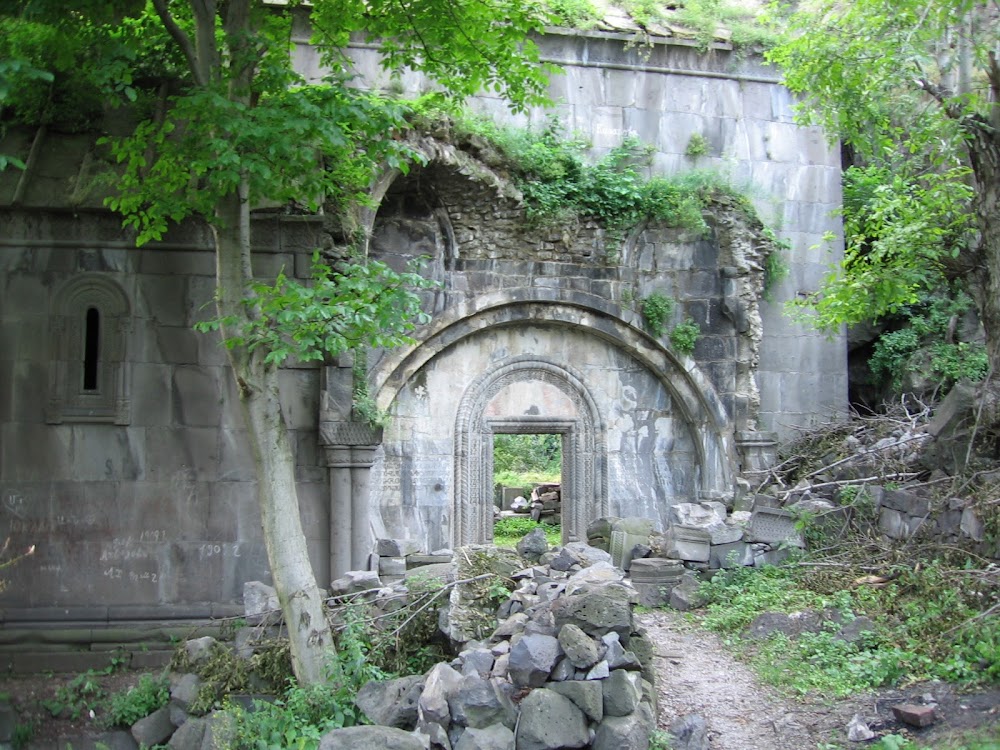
{"x": 907, "y": 474}
{"x": 563, "y": 664}
{"x": 545, "y": 502}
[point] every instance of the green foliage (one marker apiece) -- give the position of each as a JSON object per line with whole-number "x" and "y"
{"x": 835, "y": 667}
{"x": 925, "y": 627}
{"x": 900, "y": 230}
{"x": 574, "y": 14}
{"x": 79, "y": 697}
{"x": 557, "y": 182}
{"x": 514, "y": 527}
{"x": 697, "y": 146}
{"x": 297, "y": 720}
{"x": 407, "y": 641}
{"x": 24, "y": 733}
{"x": 660, "y": 740}
{"x": 465, "y": 45}
{"x": 522, "y": 454}
{"x": 656, "y": 309}
{"x": 224, "y": 672}
{"x": 684, "y": 336}
{"x": 706, "y": 17}
{"x": 737, "y": 596}
{"x": 885, "y": 79}
{"x": 345, "y": 304}
{"x": 525, "y": 478}
{"x": 208, "y": 144}
{"x": 127, "y": 707}
{"x": 776, "y": 267}
{"x": 507, "y": 532}
{"x": 364, "y": 406}
{"x": 928, "y": 324}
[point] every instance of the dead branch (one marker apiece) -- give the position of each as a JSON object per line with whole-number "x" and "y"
{"x": 899, "y": 475}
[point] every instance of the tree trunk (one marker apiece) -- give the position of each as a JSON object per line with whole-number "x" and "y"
{"x": 301, "y": 602}
{"x": 984, "y": 152}
{"x": 308, "y": 630}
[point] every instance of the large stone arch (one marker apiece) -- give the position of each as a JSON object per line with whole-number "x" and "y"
{"x": 584, "y": 457}
{"x": 680, "y": 376}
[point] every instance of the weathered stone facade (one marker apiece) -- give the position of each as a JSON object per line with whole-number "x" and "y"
{"x": 142, "y": 503}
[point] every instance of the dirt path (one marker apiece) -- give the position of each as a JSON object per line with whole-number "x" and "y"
{"x": 698, "y": 676}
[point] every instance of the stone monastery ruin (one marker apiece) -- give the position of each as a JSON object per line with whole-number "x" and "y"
{"x": 123, "y": 456}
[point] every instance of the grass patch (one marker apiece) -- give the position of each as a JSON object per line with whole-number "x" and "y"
{"x": 926, "y": 626}
{"x": 507, "y": 532}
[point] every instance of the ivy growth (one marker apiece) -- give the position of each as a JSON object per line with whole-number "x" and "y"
{"x": 697, "y": 146}
{"x": 684, "y": 336}
{"x": 656, "y": 309}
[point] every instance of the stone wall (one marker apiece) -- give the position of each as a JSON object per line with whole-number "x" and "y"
{"x": 141, "y": 503}
{"x": 152, "y": 510}
{"x": 664, "y": 93}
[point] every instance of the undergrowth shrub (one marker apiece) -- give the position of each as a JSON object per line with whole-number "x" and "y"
{"x": 508, "y": 531}
{"x": 927, "y": 625}
{"x": 127, "y": 707}
{"x": 928, "y": 326}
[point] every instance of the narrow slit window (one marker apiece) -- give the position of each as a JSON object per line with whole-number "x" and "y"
{"x": 91, "y": 349}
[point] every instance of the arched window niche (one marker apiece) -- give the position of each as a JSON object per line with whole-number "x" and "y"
{"x": 88, "y": 373}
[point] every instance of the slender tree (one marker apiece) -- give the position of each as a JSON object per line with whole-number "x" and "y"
{"x": 240, "y": 126}
{"x": 913, "y": 87}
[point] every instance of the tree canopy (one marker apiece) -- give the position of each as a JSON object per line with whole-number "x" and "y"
{"x": 207, "y": 117}
{"x": 911, "y": 87}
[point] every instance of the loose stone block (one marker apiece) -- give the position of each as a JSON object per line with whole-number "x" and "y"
{"x": 688, "y": 543}
{"x": 532, "y": 659}
{"x": 622, "y": 691}
{"x": 396, "y": 547}
{"x": 732, "y": 555}
{"x": 588, "y": 696}
{"x": 914, "y": 715}
{"x": 154, "y": 729}
{"x": 393, "y": 567}
{"x": 550, "y": 721}
{"x": 773, "y": 526}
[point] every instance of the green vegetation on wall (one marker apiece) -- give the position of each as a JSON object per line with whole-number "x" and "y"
{"x": 656, "y": 309}
{"x": 559, "y": 184}
{"x": 685, "y": 336}
{"x": 574, "y": 14}
{"x": 709, "y": 20}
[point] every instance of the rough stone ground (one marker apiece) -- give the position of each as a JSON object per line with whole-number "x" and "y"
{"x": 697, "y": 675}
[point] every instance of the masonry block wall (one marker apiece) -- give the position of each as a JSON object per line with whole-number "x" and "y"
{"x": 141, "y": 503}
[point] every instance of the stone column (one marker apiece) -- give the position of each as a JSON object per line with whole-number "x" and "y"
{"x": 362, "y": 543}
{"x": 758, "y": 450}
{"x": 350, "y": 451}
{"x": 338, "y": 461}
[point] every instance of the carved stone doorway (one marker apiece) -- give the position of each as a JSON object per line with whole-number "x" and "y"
{"x": 584, "y": 493}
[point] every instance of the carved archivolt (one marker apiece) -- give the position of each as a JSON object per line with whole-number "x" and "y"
{"x": 585, "y": 494}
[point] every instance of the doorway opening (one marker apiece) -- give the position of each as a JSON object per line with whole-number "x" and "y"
{"x": 527, "y": 486}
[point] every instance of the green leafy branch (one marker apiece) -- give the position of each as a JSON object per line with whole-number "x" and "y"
{"x": 345, "y": 307}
